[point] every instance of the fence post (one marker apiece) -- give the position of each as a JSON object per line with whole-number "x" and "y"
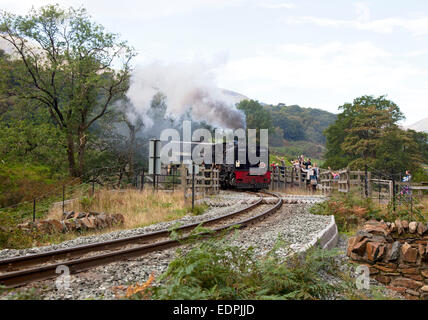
{"x": 393, "y": 192}
{"x": 142, "y": 181}
{"x": 348, "y": 181}
{"x": 63, "y": 198}
{"x": 183, "y": 177}
{"x": 173, "y": 178}
{"x": 34, "y": 210}
{"x": 369, "y": 182}
{"x": 366, "y": 187}
{"x": 284, "y": 179}
{"x": 193, "y": 186}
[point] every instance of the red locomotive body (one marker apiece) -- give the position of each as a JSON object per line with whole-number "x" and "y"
{"x": 241, "y": 176}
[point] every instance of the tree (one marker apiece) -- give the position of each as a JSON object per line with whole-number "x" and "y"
{"x": 256, "y": 116}
{"x": 398, "y": 151}
{"x": 366, "y": 133}
{"x": 71, "y": 67}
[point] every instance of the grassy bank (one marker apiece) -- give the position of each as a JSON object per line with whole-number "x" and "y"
{"x": 139, "y": 209}
{"x": 350, "y": 210}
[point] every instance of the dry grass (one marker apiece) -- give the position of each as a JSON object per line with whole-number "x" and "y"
{"x": 139, "y": 208}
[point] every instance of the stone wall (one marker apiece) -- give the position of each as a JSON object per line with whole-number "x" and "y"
{"x": 75, "y": 222}
{"x": 396, "y": 254}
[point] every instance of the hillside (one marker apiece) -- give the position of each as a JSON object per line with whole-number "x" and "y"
{"x": 300, "y": 130}
{"x": 421, "y": 125}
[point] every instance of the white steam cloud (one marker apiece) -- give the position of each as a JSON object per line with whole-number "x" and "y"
{"x": 188, "y": 88}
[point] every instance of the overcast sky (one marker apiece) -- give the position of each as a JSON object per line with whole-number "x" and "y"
{"x": 314, "y": 53}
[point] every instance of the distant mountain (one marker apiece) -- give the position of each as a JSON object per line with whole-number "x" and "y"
{"x": 235, "y": 97}
{"x": 6, "y": 46}
{"x": 421, "y": 125}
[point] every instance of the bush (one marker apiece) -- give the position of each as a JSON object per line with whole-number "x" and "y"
{"x": 215, "y": 269}
{"x": 348, "y": 210}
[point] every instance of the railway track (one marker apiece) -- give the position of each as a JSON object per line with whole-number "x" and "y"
{"x": 21, "y": 270}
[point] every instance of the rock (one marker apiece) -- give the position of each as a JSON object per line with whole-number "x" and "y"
{"x": 424, "y": 289}
{"x": 413, "y": 292}
{"x": 421, "y": 249}
{"x": 409, "y": 254}
{"x": 409, "y": 270}
{"x": 383, "y": 268}
{"x": 360, "y": 247}
{"x": 380, "y": 228}
{"x": 413, "y": 226}
{"x": 397, "y": 289}
{"x": 87, "y": 223}
{"x": 400, "y": 228}
{"x": 407, "y": 283}
{"x": 422, "y": 228}
{"x": 405, "y": 224}
{"x": 393, "y": 227}
{"x": 361, "y": 235}
{"x": 425, "y": 273}
{"x": 383, "y": 279}
{"x": 57, "y": 225}
{"x": 416, "y": 277}
{"x": 351, "y": 243}
{"x": 372, "y": 249}
{"x": 394, "y": 253}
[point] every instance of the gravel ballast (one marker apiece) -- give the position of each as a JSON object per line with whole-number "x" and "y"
{"x": 220, "y": 205}
{"x": 292, "y": 223}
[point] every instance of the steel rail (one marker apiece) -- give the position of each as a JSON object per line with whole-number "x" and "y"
{"x": 10, "y": 264}
{"x": 25, "y": 276}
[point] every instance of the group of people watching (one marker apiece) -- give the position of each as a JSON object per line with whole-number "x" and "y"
{"x": 311, "y": 171}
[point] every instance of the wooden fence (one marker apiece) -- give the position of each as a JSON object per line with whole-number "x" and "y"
{"x": 283, "y": 178}
{"x": 206, "y": 182}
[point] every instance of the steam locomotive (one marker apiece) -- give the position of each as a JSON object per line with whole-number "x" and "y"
{"x": 239, "y": 174}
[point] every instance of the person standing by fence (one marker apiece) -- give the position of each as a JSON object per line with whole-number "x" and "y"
{"x": 407, "y": 178}
{"x": 311, "y": 177}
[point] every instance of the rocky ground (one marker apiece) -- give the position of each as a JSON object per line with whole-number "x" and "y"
{"x": 292, "y": 223}
{"x": 219, "y": 205}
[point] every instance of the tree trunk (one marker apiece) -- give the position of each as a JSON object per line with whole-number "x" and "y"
{"x": 70, "y": 155}
{"x": 131, "y": 149}
{"x": 81, "y": 151}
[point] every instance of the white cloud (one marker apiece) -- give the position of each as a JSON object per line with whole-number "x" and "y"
{"x": 281, "y": 5}
{"x": 326, "y": 76}
{"x": 125, "y": 9}
{"x": 417, "y": 26}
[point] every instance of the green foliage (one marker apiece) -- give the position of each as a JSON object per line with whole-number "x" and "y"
{"x": 406, "y": 208}
{"x": 23, "y": 182}
{"x": 75, "y": 72}
{"x": 293, "y": 149}
{"x": 86, "y": 202}
{"x": 348, "y": 210}
{"x": 301, "y": 124}
{"x": 366, "y": 133}
{"x": 198, "y": 209}
{"x": 256, "y": 116}
{"x": 215, "y": 269}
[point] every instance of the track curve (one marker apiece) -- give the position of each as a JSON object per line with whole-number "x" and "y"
{"x": 18, "y": 271}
